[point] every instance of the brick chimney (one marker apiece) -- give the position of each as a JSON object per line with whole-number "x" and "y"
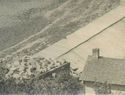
{"x": 96, "y": 53}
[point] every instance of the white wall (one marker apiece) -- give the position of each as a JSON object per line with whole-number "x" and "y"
{"x": 117, "y": 92}
{"x": 89, "y": 91}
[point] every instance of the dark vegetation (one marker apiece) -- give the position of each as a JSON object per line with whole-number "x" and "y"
{"x": 102, "y": 88}
{"x": 56, "y": 82}
{"x": 48, "y": 86}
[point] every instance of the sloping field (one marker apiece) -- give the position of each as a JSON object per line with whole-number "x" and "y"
{"x": 61, "y": 21}
{"x": 111, "y": 43}
{"x": 105, "y": 33}
{"x": 20, "y": 19}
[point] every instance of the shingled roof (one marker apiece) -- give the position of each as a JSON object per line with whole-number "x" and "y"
{"x": 102, "y": 69}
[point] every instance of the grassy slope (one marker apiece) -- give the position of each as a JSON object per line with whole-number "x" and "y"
{"x": 62, "y": 20}
{"x": 19, "y": 20}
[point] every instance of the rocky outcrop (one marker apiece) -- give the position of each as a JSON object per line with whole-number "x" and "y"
{"x": 28, "y": 68}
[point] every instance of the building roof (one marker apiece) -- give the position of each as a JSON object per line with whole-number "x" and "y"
{"x": 104, "y": 69}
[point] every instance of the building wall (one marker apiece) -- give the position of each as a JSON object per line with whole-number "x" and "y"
{"x": 118, "y": 89}
{"x": 89, "y": 89}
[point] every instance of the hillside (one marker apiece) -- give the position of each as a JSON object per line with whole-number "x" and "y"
{"x": 55, "y": 22}
{"x": 19, "y": 19}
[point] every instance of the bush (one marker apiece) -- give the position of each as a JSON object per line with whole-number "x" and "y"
{"x": 48, "y": 86}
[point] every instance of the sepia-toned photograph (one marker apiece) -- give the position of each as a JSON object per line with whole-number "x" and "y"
{"x": 62, "y": 47}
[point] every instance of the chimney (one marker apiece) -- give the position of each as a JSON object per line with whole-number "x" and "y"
{"x": 96, "y": 53}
